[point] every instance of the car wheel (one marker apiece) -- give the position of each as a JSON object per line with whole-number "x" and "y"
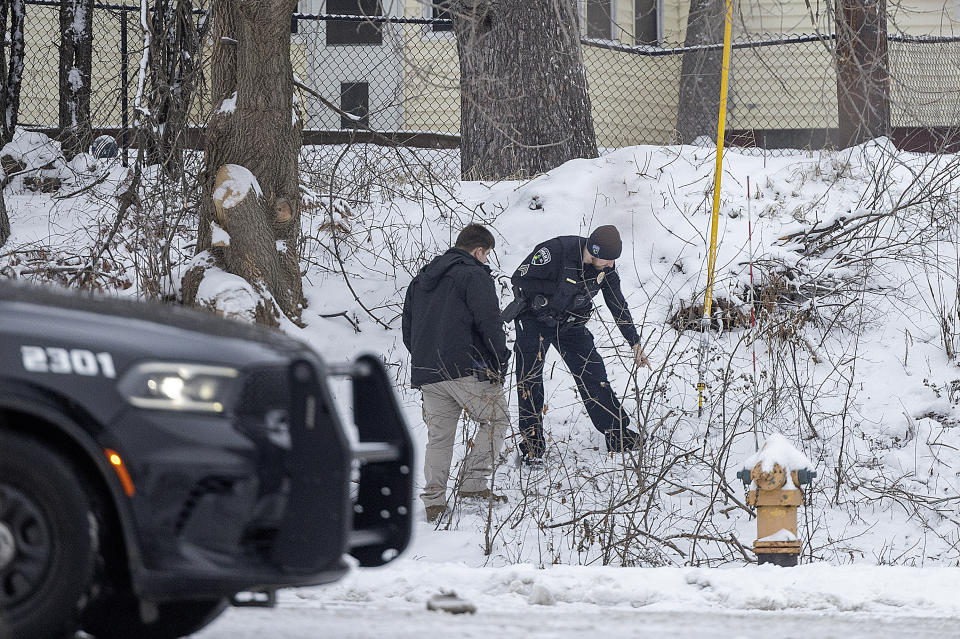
{"x": 119, "y": 618}
{"x": 46, "y": 540}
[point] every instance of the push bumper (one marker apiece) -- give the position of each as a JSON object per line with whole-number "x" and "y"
{"x": 337, "y": 498}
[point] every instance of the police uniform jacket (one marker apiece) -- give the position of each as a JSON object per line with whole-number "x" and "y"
{"x": 451, "y": 321}
{"x": 555, "y": 269}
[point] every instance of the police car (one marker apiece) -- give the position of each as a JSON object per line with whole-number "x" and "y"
{"x": 158, "y": 464}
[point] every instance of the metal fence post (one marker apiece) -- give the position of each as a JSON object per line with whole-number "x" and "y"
{"x": 124, "y": 85}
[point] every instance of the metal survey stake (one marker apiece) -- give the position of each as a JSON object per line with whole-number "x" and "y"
{"x": 718, "y": 172}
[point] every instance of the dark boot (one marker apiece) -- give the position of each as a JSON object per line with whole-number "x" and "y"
{"x": 434, "y": 513}
{"x": 533, "y": 447}
{"x": 622, "y": 439}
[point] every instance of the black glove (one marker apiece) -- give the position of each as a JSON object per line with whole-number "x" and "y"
{"x": 513, "y": 309}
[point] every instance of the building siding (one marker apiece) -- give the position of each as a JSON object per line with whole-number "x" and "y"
{"x": 414, "y": 76}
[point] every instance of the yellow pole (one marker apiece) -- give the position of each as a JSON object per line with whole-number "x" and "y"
{"x": 718, "y": 172}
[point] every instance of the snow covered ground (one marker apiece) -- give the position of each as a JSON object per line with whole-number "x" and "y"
{"x": 851, "y": 351}
{"x": 855, "y": 259}
{"x": 576, "y": 601}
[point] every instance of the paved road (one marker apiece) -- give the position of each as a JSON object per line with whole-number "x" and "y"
{"x": 372, "y": 621}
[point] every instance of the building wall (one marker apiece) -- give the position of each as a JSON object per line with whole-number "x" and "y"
{"x": 431, "y": 87}
{"x": 925, "y": 17}
{"x": 925, "y": 90}
{"x": 414, "y": 76}
{"x": 792, "y": 17}
{"x": 39, "y": 89}
{"x": 784, "y": 87}
{"x": 639, "y": 102}
{"x": 324, "y": 68}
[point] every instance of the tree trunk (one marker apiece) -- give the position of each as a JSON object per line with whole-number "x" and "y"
{"x": 10, "y": 76}
{"x": 4, "y": 221}
{"x": 174, "y": 47}
{"x": 863, "y": 78}
{"x": 256, "y": 129}
{"x": 523, "y": 89}
{"x": 76, "y": 62}
{"x": 700, "y": 72}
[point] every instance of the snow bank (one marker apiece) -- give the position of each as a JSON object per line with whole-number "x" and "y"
{"x": 32, "y": 149}
{"x": 41, "y": 156}
{"x": 814, "y": 587}
{"x": 229, "y": 294}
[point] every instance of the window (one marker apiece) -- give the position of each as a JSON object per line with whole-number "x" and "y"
{"x": 646, "y": 22}
{"x": 600, "y": 19}
{"x": 354, "y": 31}
{"x": 440, "y": 10}
{"x": 355, "y": 100}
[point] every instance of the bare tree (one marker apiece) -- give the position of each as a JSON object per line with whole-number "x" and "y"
{"x": 76, "y": 62}
{"x": 250, "y": 178}
{"x": 863, "y": 75}
{"x": 10, "y": 76}
{"x": 4, "y": 221}
{"x": 700, "y": 72}
{"x": 523, "y": 89}
{"x": 173, "y": 61}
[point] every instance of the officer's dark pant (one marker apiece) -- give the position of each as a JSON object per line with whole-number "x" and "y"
{"x": 575, "y": 344}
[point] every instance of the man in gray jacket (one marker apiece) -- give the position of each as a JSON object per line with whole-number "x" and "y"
{"x": 458, "y": 348}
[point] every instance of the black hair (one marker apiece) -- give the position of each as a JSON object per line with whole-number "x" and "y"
{"x": 474, "y": 236}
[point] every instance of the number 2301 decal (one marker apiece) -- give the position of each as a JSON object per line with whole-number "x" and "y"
{"x": 73, "y": 361}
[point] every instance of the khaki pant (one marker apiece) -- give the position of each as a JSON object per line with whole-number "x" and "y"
{"x": 443, "y": 402}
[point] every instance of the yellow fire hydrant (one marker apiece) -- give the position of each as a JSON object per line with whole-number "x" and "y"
{"x": 776, "y": 500}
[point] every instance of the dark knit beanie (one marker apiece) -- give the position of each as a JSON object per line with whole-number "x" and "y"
{"x": 605, "y": 243}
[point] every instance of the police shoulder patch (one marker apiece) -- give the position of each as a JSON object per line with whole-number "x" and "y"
{"x": 541, "y": 257}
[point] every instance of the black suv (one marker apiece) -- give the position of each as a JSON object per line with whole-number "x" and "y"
{"x": 157, "y": 464}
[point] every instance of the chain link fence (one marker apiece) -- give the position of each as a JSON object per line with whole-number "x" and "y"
{"x": 402, "y": 76}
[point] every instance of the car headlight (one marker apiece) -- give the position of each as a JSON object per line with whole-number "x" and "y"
{"x": 186, "y": 387}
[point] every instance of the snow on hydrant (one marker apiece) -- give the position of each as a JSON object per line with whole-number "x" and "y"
{"x": 774, "y": 475}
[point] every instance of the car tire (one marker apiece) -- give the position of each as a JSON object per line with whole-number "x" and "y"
{"x": 119, "y": 618}
{"x": 47, "y": 540}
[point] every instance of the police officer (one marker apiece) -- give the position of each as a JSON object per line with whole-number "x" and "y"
{"x": 556, "y": 285}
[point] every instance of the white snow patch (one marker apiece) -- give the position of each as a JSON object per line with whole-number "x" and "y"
{"x": 540, "y": 595}
{"x": 75, "y": 78}
{"x": 83, "y": 163}
{"x": 229, "y": 105}
{"x": 219, "y": 235}
{"x": 233, "y": 190}
{"x": 778, "y": 450}
{"x": 781, "y": 535}
{"x": 138, "y": 104}
{"x": 228, "y": 293}
{"x": 816, "y": 587}
{"x": 33, "y": 149}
